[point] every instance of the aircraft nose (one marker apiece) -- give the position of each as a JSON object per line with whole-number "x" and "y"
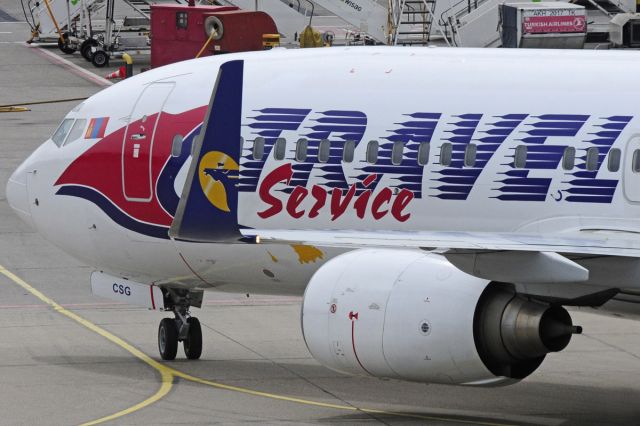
{"x": 17, "y": 194}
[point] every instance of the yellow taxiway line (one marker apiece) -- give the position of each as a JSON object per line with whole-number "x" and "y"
{"x": 167, "y": 374}
{"x": 13, "y": 109}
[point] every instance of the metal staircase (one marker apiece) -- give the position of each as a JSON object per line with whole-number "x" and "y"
{"x": 394, "y": 22}
{"x": 452, "y": 18}
{"x": 143, "y": 7}
{"x": 76, "y": 16}
{"x": 411, "y": 21}
{"x": 66, "y": 14}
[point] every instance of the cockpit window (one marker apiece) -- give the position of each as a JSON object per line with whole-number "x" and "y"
{"x": 76, "y": 131}
{"x": 62, "y": 131}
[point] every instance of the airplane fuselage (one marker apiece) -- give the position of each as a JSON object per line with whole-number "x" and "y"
{"x": 359, "y": 139}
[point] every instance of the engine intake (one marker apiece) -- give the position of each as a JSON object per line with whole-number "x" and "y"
{"x": 414, "y": 316}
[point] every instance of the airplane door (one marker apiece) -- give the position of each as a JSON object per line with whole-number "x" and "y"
{"x": 632, "y": 170}
{"x": 137, "y": 184}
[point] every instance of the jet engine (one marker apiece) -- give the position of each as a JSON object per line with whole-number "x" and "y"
{"x": 411, "y": 315}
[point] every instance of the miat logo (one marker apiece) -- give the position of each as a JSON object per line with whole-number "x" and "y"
{"x": 216, "y": 172}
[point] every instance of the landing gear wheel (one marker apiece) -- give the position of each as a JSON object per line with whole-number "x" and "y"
{"x": 100, "y": 59}
{"x": 193, "y": 343}
{"x": 168, "y": 339}
{"x": 65, "y": 46}
{"x": 85, "y": 48}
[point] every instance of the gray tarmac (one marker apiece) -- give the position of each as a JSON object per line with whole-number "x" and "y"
{"x": 59, "y": 369}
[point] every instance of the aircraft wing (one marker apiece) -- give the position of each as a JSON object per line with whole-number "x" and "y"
{"x": 581, "y": 242}
{"x": 507, "y": 257}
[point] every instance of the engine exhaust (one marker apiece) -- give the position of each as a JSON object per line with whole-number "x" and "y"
{"x": 514, "y": 334}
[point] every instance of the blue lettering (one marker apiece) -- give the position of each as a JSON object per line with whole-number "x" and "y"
{"x": 121, "y": 289}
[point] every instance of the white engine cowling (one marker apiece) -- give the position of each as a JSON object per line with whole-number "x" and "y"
{"x": 413, "y": 316}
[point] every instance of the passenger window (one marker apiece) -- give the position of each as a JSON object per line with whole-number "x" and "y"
{"x": 396, "y": 153}
{"x": 470, "y": 153}
{"x": 372, "y": 152}
{"x": 520, "y": 160}
{"x": 324, "y": 150}
{"x": 592, "y": 159}
{"x": 423, "y": 153}
{"x": 614, "y": 160}
{"x": 446, "y": 151}
{"x": 76, "y": 131}
{"x": 279, "y": 149}
{"x": 569, "y": 158}
{"x": 176, "y": 145}
{"x": 348, "y": 151}
{"x": 636, "y": 161}
{"x": 301, "y": 149}
{"x": 258, "y": 148}
{"x": 62, "y": 131}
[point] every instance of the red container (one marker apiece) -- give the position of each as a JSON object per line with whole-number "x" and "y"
{"x": 178, "y": 32}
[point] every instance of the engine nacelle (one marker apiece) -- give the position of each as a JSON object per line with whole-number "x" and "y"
{"x": 413, "y": 316}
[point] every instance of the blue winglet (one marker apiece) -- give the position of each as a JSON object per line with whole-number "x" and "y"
{"x": 208, "y": 208}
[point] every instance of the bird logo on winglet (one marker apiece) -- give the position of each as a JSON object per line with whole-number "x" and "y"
{"x": 216, "y": 172}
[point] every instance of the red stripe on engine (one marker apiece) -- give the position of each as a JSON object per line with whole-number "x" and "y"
{"x": 353, "y": 344}
{"x": 153, "y": 302}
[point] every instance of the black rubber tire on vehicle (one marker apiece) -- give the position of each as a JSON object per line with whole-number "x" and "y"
{"x": 85, "y": 48}
{"x": 65, "y": 47}
{"x": 168, "y": 339}
{"x": 100, "y": 59}
{"x": 193, "y": 343}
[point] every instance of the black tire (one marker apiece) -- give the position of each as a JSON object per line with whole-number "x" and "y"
{"x": 193, "y": 343}
{"x": 100, "y": 59}
{"x": 168, "y": 339}
{"x": 65, "y": 47}
{"x": 85, "y": 48}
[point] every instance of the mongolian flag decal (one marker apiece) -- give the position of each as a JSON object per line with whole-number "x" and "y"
{"x": 97, "y": 127}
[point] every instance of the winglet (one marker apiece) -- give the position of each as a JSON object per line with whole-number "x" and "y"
{"x": 208, "y": 208}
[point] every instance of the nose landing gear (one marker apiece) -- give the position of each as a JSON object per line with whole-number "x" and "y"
{"x": 184, "y": 328}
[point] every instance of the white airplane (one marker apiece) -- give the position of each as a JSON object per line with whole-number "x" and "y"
{"x": 437, "y": 207}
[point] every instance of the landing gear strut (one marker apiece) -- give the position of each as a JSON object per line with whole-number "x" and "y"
{"x": 184, "y": 328}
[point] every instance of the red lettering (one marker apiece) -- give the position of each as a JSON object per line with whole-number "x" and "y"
{"x": 280, "y": 174}
{"x": 361, "y": 203}
{"x": 369, "y": 180}
{"x": 380, "y": 206}
{"x": 297, "y": 195}
{"x": 400, "y": 203}
{"x": 384, "y": 197}
{"x": 321, "y": 197}
{"x": 338, "y": 204}
{"x": 363, "y": 199}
